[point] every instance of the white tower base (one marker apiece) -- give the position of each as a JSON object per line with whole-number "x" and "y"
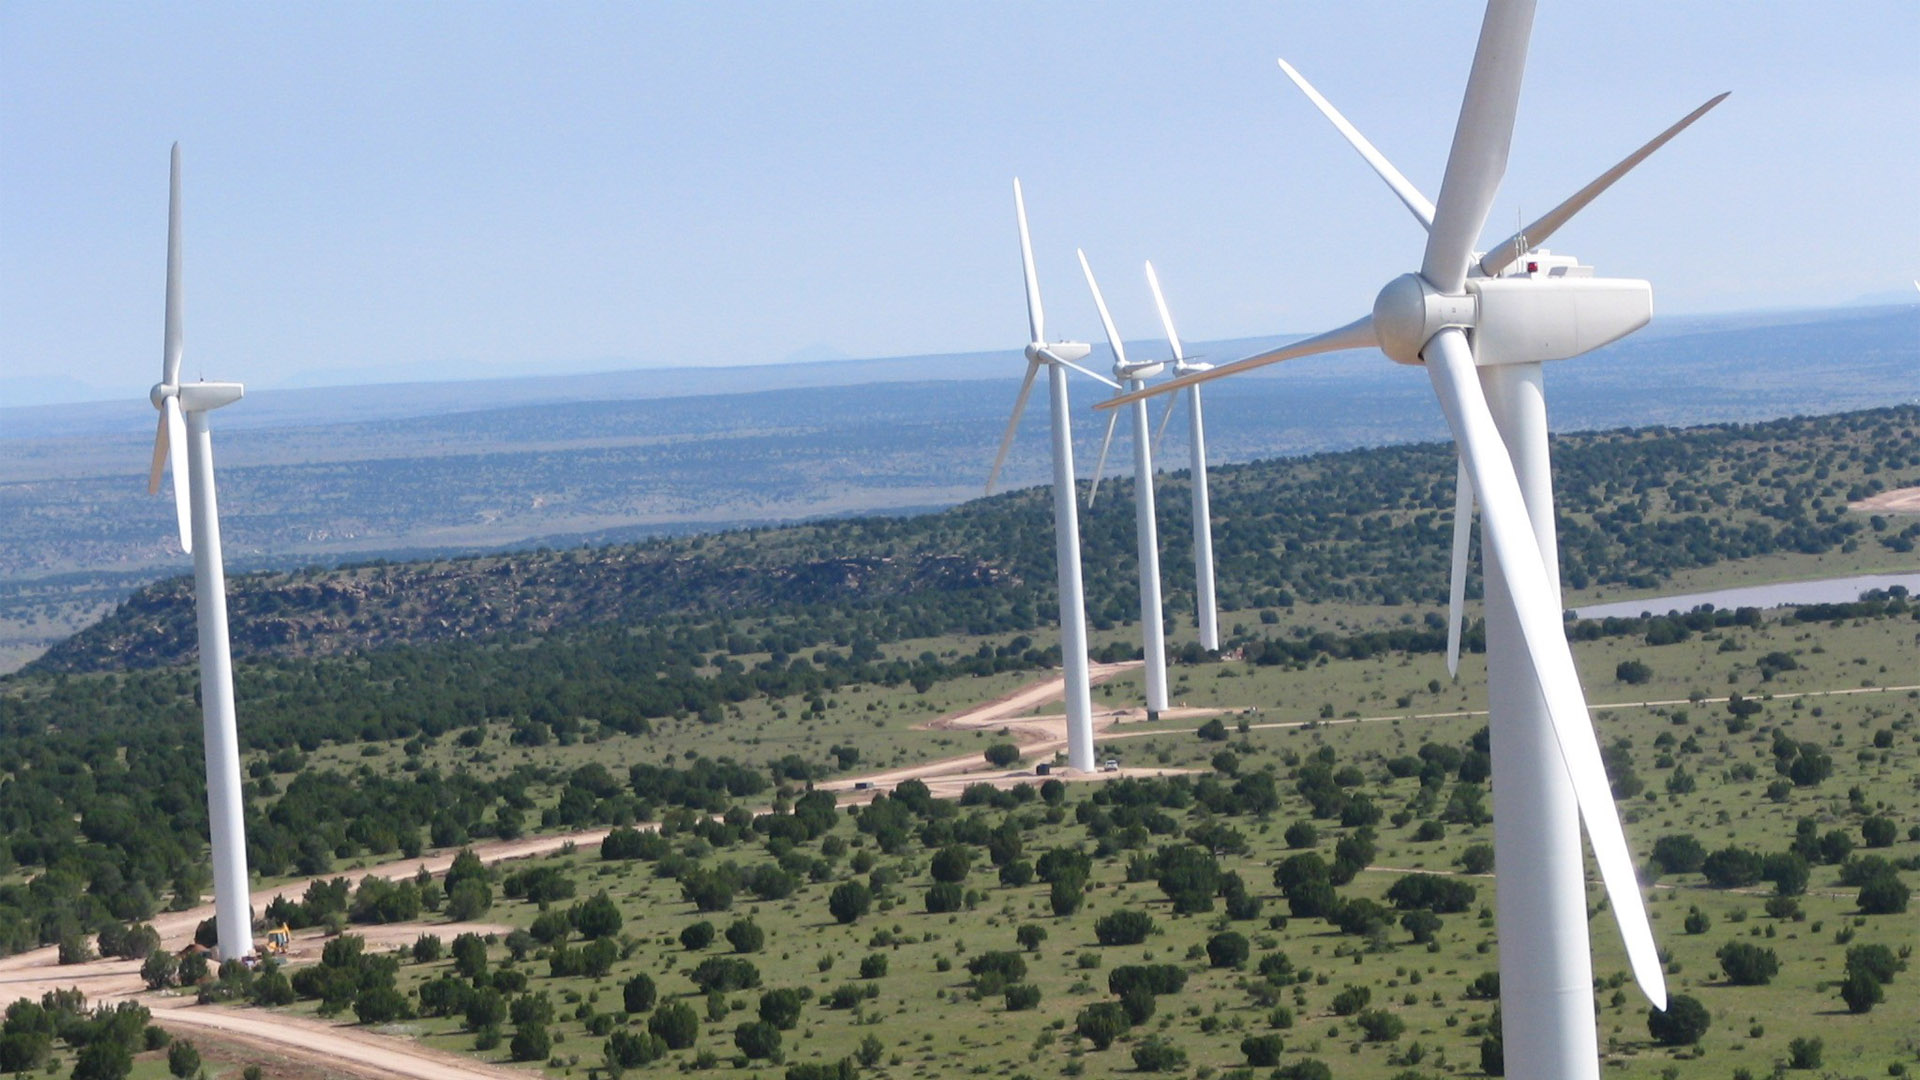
{"x": 1153, "y": 631}
{"x": 1206, "y": 606}
{"x": 1073, "y": 604}
{"x": 1546, "y": 967}
{"x": 233, "y": 904}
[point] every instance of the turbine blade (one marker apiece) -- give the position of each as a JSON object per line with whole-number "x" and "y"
{"x": 1508, "y": 251}
{"x": 1507, "y": 533}
{"x": 1457, "y": 585}
{"x": 1088, "y": 372}
{"x": 159, "y": 456}
{"x": 175, "y": 343}
{"x": 1480, "y": 142}
{"x": 1013, "y": 425}
{"x": 1419, "y": 204}
{"x": 1166, "y": 317}
{"x": 1036, "y": 315}
{"x": 1106, "y": 320}
{"x": 1161, "y": 431}
{"x": 1357, "y": 334}
{"x": 1101, "y": 467}
{"x": 176, "y": 464}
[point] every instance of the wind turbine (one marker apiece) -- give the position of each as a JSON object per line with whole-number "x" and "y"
{"x": 1482, "y": 325}
{"x": 183, "y": 426}
{"x": 1057, "y": 357}
{"x": 1153, "y": 632}
{"x": 1206, "y": 608}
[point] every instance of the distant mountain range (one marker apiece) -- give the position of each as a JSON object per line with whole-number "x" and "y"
{"x": 315, "y": 476}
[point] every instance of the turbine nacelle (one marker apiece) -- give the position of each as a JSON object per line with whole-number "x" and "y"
{"x": 1138, "y": 369}
{"x": 1552, "y": 312}
{"x": 198, "y": 396}
{"x": 1057, "y": 352}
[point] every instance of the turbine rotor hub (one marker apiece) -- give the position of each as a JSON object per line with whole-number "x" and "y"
{"x": 160, "y": 393}
{"x": 1409, "y": 311}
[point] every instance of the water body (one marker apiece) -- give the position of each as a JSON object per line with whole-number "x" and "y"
{"x": 1841, "y": 590}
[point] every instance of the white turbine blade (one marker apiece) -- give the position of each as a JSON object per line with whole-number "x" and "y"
{"x": 1507, "y": 535}
{"x": 1166, "y": 317}
{"x": 1088, "y": 372}
{"x": 159, "y": 456}
{"x": 176, "y": 286}
{"x": 1161, "y": 431}
{"x": 1419, "y": 204}
{"x": 1507, "y": 252}
{"x": 1480, "y": 142}
{"x": 1101, "y": 467}
{"x": 176, "y": 426}
{"x": 1106, "y": 320}
{"x": 1457, "y": 585}
{"x": 1013, "y": 425}
{"x": 1036, "y": 316}
{"x": 1357, "y": 334}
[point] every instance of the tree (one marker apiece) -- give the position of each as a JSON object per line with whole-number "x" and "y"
{"x": 1101, "y": 1023}
{"x": 1228, "y": 950}
{"x": 1030, "y": 935}
{"x": 1214, "y": 730}
{"x": 1861, "y": 991}
{"x": 1022, "y": 996}
{"x": 1747, "y": 964}
{"x": 781, "y": 1008}
{"x": 1682, "y": 1024}
{"x": 1632, "y": 672}
{"x": 1879, "y": 832}
{"x": 757, "y": 1039}
{"x": 183, "y": 1060}
{"x": 873, "y": 966}
{"x": 531, "y": 1043}
{"x": 103, "y": 1059}
{"x": 1885, "y": 894}
{"x": 697, "y": 936}
{"x": 1805, "y": 1053}
{"x": 746, "y": 936}
{"x": 1678, "y": 853}
{"x": 849, "y": 900}
{"x": 1155, "y": 1054}
{"x": 157, "y": 970}
{"x": 1003, "y": 754}
{"x": 952, "y": 863}
{"x": 676, "y": 1024}
{"x": 1262, "y": 1050}
{"x": 1123, "y": 927}
{"x": 638, "y": 993}
{"x": 598, "y": 917}
{"x": 944, "y": 896}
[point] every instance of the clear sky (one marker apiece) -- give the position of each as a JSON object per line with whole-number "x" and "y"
{"x": 380, "y": 190}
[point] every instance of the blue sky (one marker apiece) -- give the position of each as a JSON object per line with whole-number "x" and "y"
{"x": 377, "y": 191}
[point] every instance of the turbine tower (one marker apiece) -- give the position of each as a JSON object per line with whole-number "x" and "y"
{"x": 1482, "y": 325}
{"x": 1153, "y": 631}
{"x": 1057, "y": 357}
{"x": 183, "y": 426}
{"x": 1206, "y": 607}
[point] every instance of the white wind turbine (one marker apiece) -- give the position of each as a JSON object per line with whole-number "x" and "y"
{"x": 1153, "y": 633}
{"x": 183, "y": 425}
{"x": 1482, "y": 325}
{"x": 1058, "y": 357}
{"x": 1206, "y": 608}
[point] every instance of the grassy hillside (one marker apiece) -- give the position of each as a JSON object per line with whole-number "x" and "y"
{"x": 1366, "y": 526}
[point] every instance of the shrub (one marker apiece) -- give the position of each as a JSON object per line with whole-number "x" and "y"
{"x": 1747, "y": 964}
{"x": 757, "y": 1039}
{"x": 1477, "y": 859}
{"x": 725, "y": 974}
{"x": 1262, "y": 1050}
{"x": 1030, "y": 935}
{"x": 598, "y": 917}
{"x": 676, "y": 1024}
{"x": 1682, "y": 1024}
{"x": 638, "y": 993}
{"x": 1022, "y": 996}
{"x": 1878, "y": 832}
{"x": 531, "y": 1043}
{"x": 1304, "y": 1069}
{"x": 1002, "y": 754}
{"x": 1379, "y": 1025}
{"x": 873, "y": 966}
{"x": 1101, "y": 1023}
{"x": 1302, "y": 834}
{"x": 1010, "y": 966}
{"x": 697, "y": 937}
{"x": 1861, "y": 991}
{"x": 746, "y": 936}
{"x": 1805, "y": 1053}
{"x": 849, "y": 900}
{"x": 1124, "y": 927}
{"x": 1885, "y": 895}
{"x": 629, "y": 1049}
{"x": 1632, "y": 672}
{"x": 182, "y": 1059}
{"x": 1441, "y": 895}
{"x": 1152, "y": 978}
{"x": 1228, "y": 950}
{"x": 1678, "y": 853}
{"x": 1351, "y": 1000}
{"x": 781, "y": 1008}
{"x": 1155, "y": 1054}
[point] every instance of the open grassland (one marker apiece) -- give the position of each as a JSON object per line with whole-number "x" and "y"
{"x": 1687, "y": 767}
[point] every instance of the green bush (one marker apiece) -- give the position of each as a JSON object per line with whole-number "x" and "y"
{"x": 1101, "y": 1023}
{"x": 638, "y": 993}
{"x": 758, "y": 1039}
{"x": 1124, "y": 927}
{"x": 676, "y": 1024}
{"x": 1002, "y": 754}
{"x": 1262, "y": 1050}
{"x": 1228, "y": 950}
{"x": 1682, "y": 1024}
{"x": 849, "y": 900}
